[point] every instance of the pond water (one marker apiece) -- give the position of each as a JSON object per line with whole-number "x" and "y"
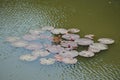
{"x": 99, "y": 17}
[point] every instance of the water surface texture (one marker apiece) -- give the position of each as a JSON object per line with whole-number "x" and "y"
{"x": 99, "y": 17}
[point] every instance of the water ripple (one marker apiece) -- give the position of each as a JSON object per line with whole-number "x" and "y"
{"x": 17, "y": 17}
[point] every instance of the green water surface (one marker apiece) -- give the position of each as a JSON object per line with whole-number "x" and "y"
{"x": 98, "y": 17}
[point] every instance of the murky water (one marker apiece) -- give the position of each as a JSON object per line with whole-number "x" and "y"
{"x": 100, "y": 17}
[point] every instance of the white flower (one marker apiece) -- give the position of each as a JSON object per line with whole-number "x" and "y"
{"x": 94, "y": 49}
{"x": 59, "y": 31}
{"x": 73, "y": 30}
{"x": 70, "y": 36}
{"x": 106, "y": 40}
{"x": 89, "y": 36}
{"x": 84, "y": 41}
{"x": 48, "y": 61}
{"x": 69, "y": 60}
{"x": 30, "y": 37}
{"x": 69, "y": 44}
{"x": 86, "y": 54}
{"x": 19, "y": 43}
{"x": 98, "y": 46}
{"x": 28, "y": 57}
{"x": 55, "y": 49}
{"x": 40, "y": 53}
{"x": 12, "y": 39}
{"x": 58, "y": 57}
{"x": 69, "y": 54}
{"x": 34, "y": 46}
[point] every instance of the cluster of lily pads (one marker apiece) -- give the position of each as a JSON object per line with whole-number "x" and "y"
{"x": 51, "y": 45}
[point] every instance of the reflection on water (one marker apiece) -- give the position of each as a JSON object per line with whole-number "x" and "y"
{"x": 90, "y": 16}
